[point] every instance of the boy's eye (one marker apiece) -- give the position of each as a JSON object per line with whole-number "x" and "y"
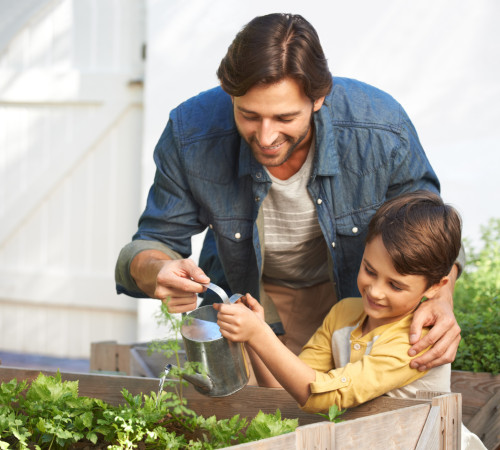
{"x": 396, "y": 287}
{"x": 282, "y": 119}
{"x": 369, "y": 271}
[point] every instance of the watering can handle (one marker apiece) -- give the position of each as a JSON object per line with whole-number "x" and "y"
{"x": 218, "y": 290}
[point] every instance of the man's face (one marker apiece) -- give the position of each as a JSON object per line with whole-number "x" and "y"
{"x": 275, "y": 120}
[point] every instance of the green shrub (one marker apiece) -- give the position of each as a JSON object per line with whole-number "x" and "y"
{"x": 476, "y": 304}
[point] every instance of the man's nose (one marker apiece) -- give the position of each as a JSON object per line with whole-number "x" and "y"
{"x": 267, "y": 133}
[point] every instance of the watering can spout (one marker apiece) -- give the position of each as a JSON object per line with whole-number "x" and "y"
{"x": 202, "y": 382}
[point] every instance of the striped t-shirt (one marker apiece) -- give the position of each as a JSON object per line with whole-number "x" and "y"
{"x": 295, "y": 249}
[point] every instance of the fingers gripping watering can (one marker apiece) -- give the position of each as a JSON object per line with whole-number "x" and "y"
{"x": 224, "y": 364}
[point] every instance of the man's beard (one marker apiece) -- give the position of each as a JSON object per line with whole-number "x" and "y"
{"x": 262, "y": 159}
{"x": 294, "y": 144}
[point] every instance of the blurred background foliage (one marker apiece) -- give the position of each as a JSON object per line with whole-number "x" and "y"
{"x": 476, "y": 304}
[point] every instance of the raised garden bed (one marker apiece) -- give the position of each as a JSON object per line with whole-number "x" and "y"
{"x": 480, "y": 391}
{"x": 428, "y": 422}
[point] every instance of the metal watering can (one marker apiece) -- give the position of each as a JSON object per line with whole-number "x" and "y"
{"x": 224, "y": 364}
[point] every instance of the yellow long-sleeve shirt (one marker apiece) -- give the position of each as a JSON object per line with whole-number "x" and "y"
{"x": 352, "y": 369}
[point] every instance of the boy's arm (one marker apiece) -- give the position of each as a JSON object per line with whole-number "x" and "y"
{"x": 384, "y": 369}
{"x": 239, "y": 323}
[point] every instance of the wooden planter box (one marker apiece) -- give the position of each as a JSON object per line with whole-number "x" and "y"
{"x": 480, "y": 391}
{"x": 429, "y": 422}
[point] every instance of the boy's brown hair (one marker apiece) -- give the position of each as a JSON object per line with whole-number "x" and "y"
{"x": 421, "y": 234}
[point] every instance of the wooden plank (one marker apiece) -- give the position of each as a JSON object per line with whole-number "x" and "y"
{"x": 247, "y": 402}
{"x": 450, "y": 405}
{"x": 381, "y": 404}
{"x": 131, "y": 359}
{"x": 315, "y": 436}
{"x": 399, "y": 429}
{"x": 486, "y": 422}
{"x": 491, "y": 437}
{"x": 476, "y": 390}
{"x": 138, "y": 366}
{"x": 107, "y": 357}
{"x": 283, "y": 442}
{"x": 478, "y": 421}
{"x": 430, "y": 439}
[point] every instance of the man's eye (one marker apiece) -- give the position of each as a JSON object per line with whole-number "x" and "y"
{"x": 251, "y": 118}
{"x": 281, "y": 119}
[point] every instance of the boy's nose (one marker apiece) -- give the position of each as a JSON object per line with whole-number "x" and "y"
{"x": 376, "y": 291}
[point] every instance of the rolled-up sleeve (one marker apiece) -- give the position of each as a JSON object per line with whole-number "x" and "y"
{"x": 385, "y": 368}
{"x": 125, "y": 284}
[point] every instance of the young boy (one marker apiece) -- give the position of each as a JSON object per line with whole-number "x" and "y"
{"x": 361, "y": 350}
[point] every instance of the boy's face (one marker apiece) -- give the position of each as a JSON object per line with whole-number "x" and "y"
{"x": 387, "y": 295}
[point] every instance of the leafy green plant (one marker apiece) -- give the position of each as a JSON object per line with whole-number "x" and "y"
{"x": 172, "y": 347}
{"x": 333, "y": 414}
{"x": 49, "y": 414}
{"x": 477, "y": 304}
{"x": 269, "y": 425}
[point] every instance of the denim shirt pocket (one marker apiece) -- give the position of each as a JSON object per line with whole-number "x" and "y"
{"x": 235, "y": 246}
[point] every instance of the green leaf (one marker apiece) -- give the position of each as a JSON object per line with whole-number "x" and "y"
{"x": 333, "y": 414}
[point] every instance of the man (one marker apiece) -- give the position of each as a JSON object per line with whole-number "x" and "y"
{"x": 285, "y": 166}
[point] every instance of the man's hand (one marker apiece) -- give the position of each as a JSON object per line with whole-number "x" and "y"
{"x": 175, "y": 282}
{"x": 444, "y": 336}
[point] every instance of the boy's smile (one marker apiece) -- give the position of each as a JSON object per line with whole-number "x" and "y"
{"x": 387, "y": 295}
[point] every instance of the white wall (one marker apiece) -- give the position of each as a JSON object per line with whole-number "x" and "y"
{"x": 439, "y": 58}
{"x": 70, "y": 139}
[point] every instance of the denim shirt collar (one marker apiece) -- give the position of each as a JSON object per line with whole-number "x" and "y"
{"x": 326, "y": 157}
{"x": 248, "y": 165}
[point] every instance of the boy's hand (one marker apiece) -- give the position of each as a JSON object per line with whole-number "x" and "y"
{"x": 444, "y": 336}
{"x": 241, "y": 321}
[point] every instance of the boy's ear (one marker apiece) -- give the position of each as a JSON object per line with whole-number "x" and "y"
{"x": 429, "y": 293}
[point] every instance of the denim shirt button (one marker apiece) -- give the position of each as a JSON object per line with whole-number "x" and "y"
{"x": 211, "y": 226}
{"x": 355, "y": 230}
{"x": 333, "y": 244}
{"x": 237, "y": 235}
{"x": 258, "y": 175}
{"x": 257, "y": 199}
{"x": 319, "y": 201}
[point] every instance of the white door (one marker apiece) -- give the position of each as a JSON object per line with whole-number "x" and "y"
{"x": 70, "y": 158}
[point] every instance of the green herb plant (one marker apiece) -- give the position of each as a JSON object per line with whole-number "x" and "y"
{"x": 49, "y": 414}
{"x": 333, "y": 414}
{"x": 477, "y": 304}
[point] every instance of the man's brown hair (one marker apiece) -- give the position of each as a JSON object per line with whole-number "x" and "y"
{"x": 272, "y": 47}
{"x": 421, "y": 234}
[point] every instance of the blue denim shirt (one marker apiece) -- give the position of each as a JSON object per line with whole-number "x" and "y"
{"x": 367, "y": 151}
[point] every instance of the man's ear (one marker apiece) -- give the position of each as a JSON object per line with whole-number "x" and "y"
{"x": 318, "y": 103}
{"x": 431, "y": 292}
